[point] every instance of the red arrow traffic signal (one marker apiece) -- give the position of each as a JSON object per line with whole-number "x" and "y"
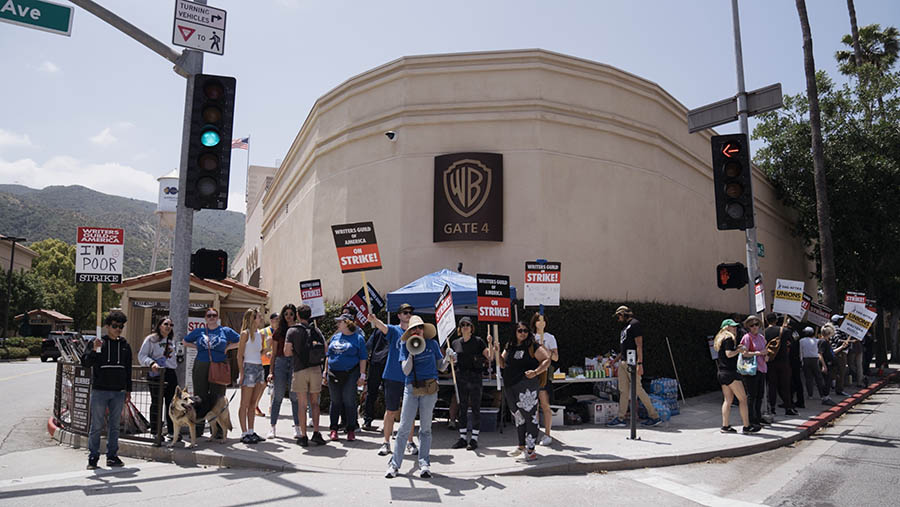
{"x": 730, "y": 150}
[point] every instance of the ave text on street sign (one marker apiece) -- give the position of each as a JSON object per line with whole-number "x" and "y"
{"x": 199, "y": 26}
{"x": 38, "y": 14}
{"x": 99, "y": 255}
{"x": 759, "y": 101}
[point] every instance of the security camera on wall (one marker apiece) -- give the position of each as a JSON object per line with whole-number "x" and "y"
{"x": 391, "y": 135}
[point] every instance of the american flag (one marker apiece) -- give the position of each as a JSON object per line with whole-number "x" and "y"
{"x": 242, "y": 143}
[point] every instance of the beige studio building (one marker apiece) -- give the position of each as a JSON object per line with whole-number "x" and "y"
{"x": 587, "y": 165}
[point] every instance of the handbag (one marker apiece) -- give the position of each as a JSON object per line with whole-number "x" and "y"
{"x": 219, "y": 373}
{"x": 423, "y": 387}
{"x": 747, "y": 365}
{"x": 773, "y": 346}
{"x": 340, "y": 377}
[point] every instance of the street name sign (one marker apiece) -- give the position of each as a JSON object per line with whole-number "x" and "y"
{"x": 99, "y": 255}
{"x": 767, "y": 98}
{"x": 198, "y": 26}
{"x": 38, "y": 14}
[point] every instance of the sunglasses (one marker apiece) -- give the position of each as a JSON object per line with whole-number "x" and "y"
{"x": 213, "y": 315}
{"x": 167, "y": 324}
{"x": 117, "y": 326}
{"x": 418, "y": 328}
{"x": 520, "y": 330}
{"x": 753, "y": 325}
{"x": 465, "y": 325}
{"x": 406, "y": 312}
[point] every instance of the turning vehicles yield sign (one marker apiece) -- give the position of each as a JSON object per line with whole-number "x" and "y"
{"x": 199, "y": 26}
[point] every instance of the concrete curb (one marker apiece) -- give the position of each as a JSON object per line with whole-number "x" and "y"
{"x": 182, "y": 456}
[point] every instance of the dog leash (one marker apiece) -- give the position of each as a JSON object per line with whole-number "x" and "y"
{"x": 227, "y": 402}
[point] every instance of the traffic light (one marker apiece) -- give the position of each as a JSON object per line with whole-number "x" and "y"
{"x": 209, "y": 264}
{"x": 732, "y": 178}
{"x": 731, "y": 276}
{"x": 209, "y": 144}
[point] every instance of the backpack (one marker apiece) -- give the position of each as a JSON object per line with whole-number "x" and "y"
{"x": 313, "y": 351}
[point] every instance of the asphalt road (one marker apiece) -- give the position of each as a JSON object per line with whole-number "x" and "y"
{"x": 855, "y": 462}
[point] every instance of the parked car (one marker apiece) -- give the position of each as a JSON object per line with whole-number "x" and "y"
{"x": 49, "y": 350}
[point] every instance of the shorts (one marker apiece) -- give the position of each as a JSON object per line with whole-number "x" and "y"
{"x": 253, "y": 375}
{"x": 393, "y": 394}
{"x": 307, "y": 380}
{"x": 727, "y": 377}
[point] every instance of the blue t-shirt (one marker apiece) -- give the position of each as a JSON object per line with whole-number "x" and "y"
{"x": 425, "y": 364}
{"x": 393, "y": 370}
{"x": 345, "y": 351}
{"x": 215, "y": 341}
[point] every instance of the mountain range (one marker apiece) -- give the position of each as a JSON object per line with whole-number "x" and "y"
{"x": 57, "y": 212}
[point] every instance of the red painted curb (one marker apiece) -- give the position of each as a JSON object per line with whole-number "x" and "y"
{"x": 816, "y": 422}
{"x": 51, "y": 427}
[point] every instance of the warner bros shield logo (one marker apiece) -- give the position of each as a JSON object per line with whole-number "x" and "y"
{"x": 468, "y": 197}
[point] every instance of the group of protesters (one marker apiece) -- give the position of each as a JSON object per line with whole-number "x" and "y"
{"x": 779, "y": 359}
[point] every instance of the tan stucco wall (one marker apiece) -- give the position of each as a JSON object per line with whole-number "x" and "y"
{"x": 600, "y": 173}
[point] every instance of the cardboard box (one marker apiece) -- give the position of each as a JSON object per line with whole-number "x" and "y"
{"x": 556, "y": 417}
{"x": 602, "y": 413}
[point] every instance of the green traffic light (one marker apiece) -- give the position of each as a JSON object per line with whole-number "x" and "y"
{"x": 210, "y": 138}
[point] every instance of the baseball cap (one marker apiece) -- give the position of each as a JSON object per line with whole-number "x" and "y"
{"x": 728, "y": 322}
{"x": 405, "y": 306}
{"x": 623, "y": 309}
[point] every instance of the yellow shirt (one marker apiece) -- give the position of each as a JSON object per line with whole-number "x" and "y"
{"x": 266, "y": 334}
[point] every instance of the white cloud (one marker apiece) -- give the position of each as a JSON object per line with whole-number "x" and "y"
{"x": 109, "y": 178}
{"x": 104, "y": 138}
{"x": 49, "y": 67}
{"x": 8, "y": 138}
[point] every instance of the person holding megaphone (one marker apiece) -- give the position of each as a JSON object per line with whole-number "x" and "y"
{"x": 421, "y": 359}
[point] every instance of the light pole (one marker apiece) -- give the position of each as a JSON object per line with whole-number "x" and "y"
{"x": 12, "y": 256}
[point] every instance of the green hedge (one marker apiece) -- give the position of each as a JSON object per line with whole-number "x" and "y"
{"x": 587, "y": 328}
{"x": 31, "y": 343}
{"x": 10, "y": 352}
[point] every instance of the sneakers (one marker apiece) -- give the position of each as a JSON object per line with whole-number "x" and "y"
{"x": 303, "y": 441}
{"x": 652, "y": 422}
{"x": 473, "y": 444}
{"x": 425, "y": 472}
{"x": 459, "y": 444}
{"x": 271, "y": 434}
{"x": 333, "y": 435}
{"x": 367, "y": 426}
{"x": 828, "y": 401}
{"x": 385, "y": 449}
{"x": 750, "y": 429}
{"x": 529, "y": 456}
{"x": 547, "y": 440}
{"x": 790, "y": 411}
{"x": 617, "y": 422}
{"x": 114, "y": 461}
{"x": 92, "y": 463}
{"x": 296, "y": 431}
{"x": 411, "y": 448}
{"x": 351, "y": 436}
{"x": 391, "y": 472}
{"x": 515, "y": 453}
{"x": 317, "y": 438}
{"x": 727, "y": 429}
{"x": 247, "y": 439}
{"x": 842, "y": 393}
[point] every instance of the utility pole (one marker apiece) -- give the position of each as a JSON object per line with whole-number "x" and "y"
{"x": 752, "y": 258}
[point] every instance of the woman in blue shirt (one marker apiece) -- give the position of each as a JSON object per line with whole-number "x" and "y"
{"x": 211, "y": 342}
{"x": 346, "y": 370}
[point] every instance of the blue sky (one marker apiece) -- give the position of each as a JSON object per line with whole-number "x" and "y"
{"x": 100, "y": 110}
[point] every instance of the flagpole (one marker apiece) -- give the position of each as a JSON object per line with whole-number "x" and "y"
{"x": 247, "y": 177}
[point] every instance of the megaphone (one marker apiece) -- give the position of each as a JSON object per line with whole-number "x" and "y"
{"x": 415, "y": 345}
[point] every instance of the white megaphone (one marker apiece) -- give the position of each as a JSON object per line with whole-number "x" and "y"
{"x": 415, "y": 345}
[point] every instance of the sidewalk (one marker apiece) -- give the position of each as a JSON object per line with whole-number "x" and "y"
{"x": 689, "y": 437}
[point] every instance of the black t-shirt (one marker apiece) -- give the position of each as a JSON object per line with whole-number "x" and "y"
{"x": 302, "y": 339}
{"x": 771, "y": 333}
{"x": 518, "y": 360}
{"x": 378, "y": 346}
{"x": 626, "y": 339}
{"x": 727, "y": 363}
{"x": 470, "y": 354}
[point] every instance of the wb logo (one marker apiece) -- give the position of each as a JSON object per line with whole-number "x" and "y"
{"x": 170, "y": 190}
{"x": 467, "y": 185}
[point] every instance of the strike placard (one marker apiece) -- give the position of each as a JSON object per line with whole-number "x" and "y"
{"x": 857, "y": 322}
{"x": 542, "y": 281}
{"x": 357, "y": 249}
{"x": 760, "y": 295}
{"x": 854, "y": 300}
{"x": 311, "y": 295}
{"x": 99, "y": 255}
{"x": 493, "y": 298}
{"x": 445, "y": 315}
{"x": 788, "y": 297}
{"x": 804, "y": 306}
{"x": 818, "y": 315}
{"x": 358, "y": 304}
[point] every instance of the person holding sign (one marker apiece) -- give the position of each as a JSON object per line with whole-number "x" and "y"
{"x": 548, "y": 341}
{"x": 471, "y": 352}
{"x": 523, "y": 361}
{"x": 778, "y": 343}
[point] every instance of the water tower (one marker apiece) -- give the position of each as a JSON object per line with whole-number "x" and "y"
{"x": 165, "y": 216}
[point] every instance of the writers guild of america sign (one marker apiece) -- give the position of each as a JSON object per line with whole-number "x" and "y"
{"x": 468, "y": 197}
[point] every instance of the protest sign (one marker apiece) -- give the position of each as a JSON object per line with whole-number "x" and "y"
{"x": 445, "y": 315}
{"x": 854, "y": 300}
{"x": 818, "y": 315}
{"x": 99, "y": 255}
{"x": 493, "y": 298}
{"x": 358, "y": 304}
{"x": 311, "y": 295}
{"x": 857, "y": 322}
{"x": 357, "y": 248}
{"x": 760, "y": 295}
{"x": 788, "y": 298}
{"x": 542, "y": 281}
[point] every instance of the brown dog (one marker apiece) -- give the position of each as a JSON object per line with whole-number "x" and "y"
{"x": 183, "y": 412}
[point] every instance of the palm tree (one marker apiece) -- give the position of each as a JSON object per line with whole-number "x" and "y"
{"x": 877, "y": 47}
{"x": 823, "y": 215}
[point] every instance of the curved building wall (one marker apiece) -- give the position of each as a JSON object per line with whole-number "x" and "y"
{"x": 600, "y": 174}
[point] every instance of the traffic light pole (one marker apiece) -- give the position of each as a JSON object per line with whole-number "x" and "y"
{"x": 752, "y": 259}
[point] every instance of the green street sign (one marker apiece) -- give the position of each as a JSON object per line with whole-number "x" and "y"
{"x": 38, "y": 14}
{"x": 760, "y": 250}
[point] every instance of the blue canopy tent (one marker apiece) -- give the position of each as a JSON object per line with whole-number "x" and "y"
{"x": 423, "y": 293}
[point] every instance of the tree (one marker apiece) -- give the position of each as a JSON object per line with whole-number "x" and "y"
{"x": 826, "y": 251}
{"x": 27, "y": 294}
{"x": 876, "y": 47}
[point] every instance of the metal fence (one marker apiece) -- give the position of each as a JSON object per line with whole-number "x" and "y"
{"x": 72, "y": 403}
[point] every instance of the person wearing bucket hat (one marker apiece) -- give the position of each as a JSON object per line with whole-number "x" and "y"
{"x": 471, "y": 353}
{"x": 631, "y": 338}
{"x": 419, "y": 394}
{"x": 755, "y": 385}
{"x": 725, "y": 344}
{"x": 393, "y": 377}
